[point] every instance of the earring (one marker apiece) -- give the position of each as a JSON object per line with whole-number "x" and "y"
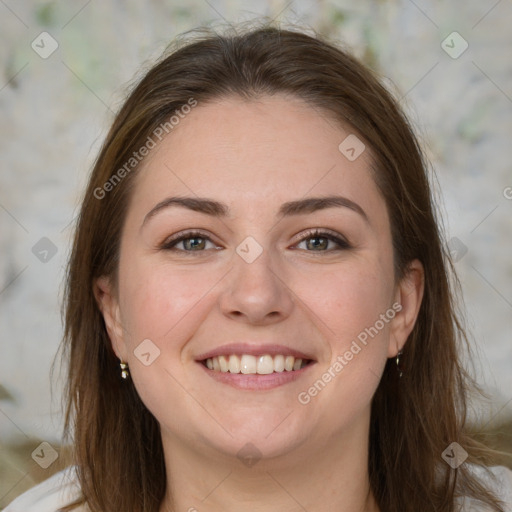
{"x": 124, "y": 370}
{"x": 398, "y": 367}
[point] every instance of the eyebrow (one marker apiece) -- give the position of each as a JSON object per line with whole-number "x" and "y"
{"x": 221, "y": 210}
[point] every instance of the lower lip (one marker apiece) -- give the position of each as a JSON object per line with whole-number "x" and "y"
{"x": 256, "y": 382}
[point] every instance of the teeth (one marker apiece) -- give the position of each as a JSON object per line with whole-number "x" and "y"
{"x": 223, "y": 363}
{"x": 249, "y": 364}
{"x": 234, "y": 364}
{"x": 265, "y": 365}
{"x": 279, "y": 363}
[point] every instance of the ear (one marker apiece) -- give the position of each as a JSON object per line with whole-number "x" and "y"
{"x": 107, "y": 302}
{"x": 409, "y": 294}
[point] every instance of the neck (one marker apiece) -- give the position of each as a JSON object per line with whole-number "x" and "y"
{"x": 320, "y": 474}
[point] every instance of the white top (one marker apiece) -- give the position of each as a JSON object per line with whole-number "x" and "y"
{"x": 62, "y": 488}
{"x": 49, "y": 496}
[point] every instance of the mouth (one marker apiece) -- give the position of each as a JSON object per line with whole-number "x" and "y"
{"x": 255, "y": 367}
{"x": 249, "y": 364}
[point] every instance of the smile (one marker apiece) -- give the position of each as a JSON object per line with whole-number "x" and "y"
{"x": 257, "y": 365}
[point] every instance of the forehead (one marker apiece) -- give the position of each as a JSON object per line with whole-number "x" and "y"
{"x": 254, "y": 153}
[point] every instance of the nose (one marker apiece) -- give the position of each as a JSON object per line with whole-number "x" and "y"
{"x": 257, "y": 292}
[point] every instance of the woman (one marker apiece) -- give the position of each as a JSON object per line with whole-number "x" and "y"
{"x": 259, "y": 312}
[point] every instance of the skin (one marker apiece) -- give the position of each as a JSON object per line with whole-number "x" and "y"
{"x": 259, "y": 155}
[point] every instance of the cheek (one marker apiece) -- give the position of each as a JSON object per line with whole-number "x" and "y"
{"x": 164, "y": 305}
{"x": 159, "y": 301}
{"x": 350, "y": 305}
{"x": 348, "y": 300}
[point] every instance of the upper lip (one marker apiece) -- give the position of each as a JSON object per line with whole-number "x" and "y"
{"x": 255, "y": 349}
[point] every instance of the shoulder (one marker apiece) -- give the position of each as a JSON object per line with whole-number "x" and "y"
{"x": 48, "y": 496}
{"x": 499, "y": 480}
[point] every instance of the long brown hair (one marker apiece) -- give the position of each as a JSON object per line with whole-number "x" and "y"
{"x": 117, "y": 443}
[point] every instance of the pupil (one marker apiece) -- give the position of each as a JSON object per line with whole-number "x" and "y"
{"x": 316, "y": 244}
{"x": 193, "y": 242}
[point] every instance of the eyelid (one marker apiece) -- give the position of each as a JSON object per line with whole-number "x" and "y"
{"x": 170, "y": 242}
{"x": 325, "y": 233}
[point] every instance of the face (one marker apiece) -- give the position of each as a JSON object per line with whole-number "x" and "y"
{"x": 261, "y": 276}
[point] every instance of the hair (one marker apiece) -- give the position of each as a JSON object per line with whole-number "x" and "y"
{"x": 117, "y": 444}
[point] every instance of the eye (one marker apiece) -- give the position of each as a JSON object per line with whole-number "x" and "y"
{"x": 191, "y": 241}
{"x": 323, "y": 241}
{"x": 196, "y": 241}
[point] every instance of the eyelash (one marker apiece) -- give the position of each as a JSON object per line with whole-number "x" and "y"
{"x": 170, "y": 244}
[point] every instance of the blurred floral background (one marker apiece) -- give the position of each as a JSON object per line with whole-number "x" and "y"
{"x": 64, "y": 68}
